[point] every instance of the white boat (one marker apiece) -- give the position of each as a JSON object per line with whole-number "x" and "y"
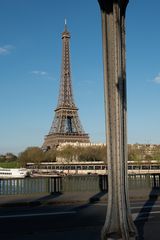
{"x": 13, "y": 173}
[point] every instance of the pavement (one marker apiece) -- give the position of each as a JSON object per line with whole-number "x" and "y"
{"x": 151, "y": 230}
{"x": 71, "y": 197}
{"x": 55, "y": 198}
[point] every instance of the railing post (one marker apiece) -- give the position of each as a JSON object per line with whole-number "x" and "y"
{"x": 154, "y": 180}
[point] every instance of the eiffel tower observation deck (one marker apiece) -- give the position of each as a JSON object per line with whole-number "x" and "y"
{"x": 66, "y": 126}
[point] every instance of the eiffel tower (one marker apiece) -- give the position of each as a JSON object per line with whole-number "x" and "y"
{"x": 66, "y": 126}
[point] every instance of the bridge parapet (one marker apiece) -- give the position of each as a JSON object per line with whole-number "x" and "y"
{"x": 75, "y": 183}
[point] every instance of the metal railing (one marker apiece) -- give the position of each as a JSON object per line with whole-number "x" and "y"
{"x": 92, "y": 183}
{"x": 30, "y": 186}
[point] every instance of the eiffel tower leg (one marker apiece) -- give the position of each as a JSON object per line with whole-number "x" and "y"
{"x": 119, "y": 223}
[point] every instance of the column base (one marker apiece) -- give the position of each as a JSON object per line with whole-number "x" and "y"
{"x": 116, "y": 236}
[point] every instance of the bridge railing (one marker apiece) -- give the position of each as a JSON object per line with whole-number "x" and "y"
{"x": 144, "y": 181}
{"x": 30, "y": 186}
{"x": 78, "y": 183}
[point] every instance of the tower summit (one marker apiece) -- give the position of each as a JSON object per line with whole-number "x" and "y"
{"x": 66, "y": 126}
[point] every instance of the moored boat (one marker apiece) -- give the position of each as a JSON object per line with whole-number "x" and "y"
{"x": 13, "y": 173}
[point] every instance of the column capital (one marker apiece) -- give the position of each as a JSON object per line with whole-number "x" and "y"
{"x": 107, "y": 5}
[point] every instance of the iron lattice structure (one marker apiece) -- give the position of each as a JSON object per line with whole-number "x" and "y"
{"x": 66, "y": 126}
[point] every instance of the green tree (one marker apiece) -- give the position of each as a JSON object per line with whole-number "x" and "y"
{"x": 67, "y": 153}
{"x": 93, "y": 153}
{"x": 10, "y": 157}
{"x": 156, "y": 153}
{"x": 2, "y": 158}
{"x": 31, "y": 154}
{"x": 134, "y": 153}
{"x": 50, "y": 155}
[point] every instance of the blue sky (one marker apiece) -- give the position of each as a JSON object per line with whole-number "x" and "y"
{"x": 30, "y": 65}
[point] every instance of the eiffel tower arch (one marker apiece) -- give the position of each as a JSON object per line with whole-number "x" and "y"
{"x": 66, "y": 126}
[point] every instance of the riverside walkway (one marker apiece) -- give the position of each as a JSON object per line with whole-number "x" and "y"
{"x": 73, "y": 215}
{"x": 37, "y": 199}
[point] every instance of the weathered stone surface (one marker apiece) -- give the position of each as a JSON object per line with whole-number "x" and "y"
{"x": 118, "y": 224}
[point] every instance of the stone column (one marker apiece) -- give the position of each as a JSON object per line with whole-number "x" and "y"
{"x": 119, "y": 223}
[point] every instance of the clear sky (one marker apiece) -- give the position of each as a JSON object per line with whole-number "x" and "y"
{"x": 30, "y": 65}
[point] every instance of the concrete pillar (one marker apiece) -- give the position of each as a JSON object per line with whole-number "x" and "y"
{"x": 119, "y": 223}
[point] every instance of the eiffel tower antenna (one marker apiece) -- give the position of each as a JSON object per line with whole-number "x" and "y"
{"x": 66, "y": 126}
{"x": 65, "y": 24}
